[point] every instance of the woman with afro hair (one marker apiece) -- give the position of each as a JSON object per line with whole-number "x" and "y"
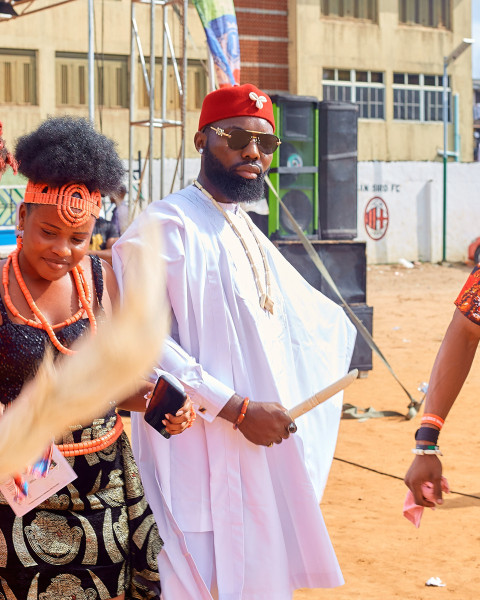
{"x": 95, "y": 538}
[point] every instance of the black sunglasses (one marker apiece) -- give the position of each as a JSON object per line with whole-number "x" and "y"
{"x": 240, "y": 138}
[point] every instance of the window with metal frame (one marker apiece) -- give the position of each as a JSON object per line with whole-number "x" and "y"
{"x": 111, "y": 80}
{"x": 350, "y": 9}
{"x": 419, "y": 97}
{"x": 18, "y": 76}
{"x": 365, "y": 88}
{"x": 428, "y": 13}
{"x": 196, "y": 85}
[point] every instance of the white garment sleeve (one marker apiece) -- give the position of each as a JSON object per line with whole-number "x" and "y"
{"x": 208, "y": 393}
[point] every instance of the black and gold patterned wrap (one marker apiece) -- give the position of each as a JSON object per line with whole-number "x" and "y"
{"x": 93, "y": 540}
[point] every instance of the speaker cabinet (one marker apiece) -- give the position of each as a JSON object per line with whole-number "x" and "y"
{"x": 337, "y": 193}
{"x": 294, "y": 168}
{"x": 344, "y": 260}
{"x": 362, "y": 353}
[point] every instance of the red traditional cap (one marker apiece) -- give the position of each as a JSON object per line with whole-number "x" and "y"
{"x": 236, "y": 101}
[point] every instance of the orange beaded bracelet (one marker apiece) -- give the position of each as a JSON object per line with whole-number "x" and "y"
{"x": 243, "y": 410}
{"x": 433, "y": 420}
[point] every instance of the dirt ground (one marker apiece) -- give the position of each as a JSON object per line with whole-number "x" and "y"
{"x": 382, "y": 555}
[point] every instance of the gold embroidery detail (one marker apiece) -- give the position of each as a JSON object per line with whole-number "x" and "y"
{"x": 52, "y": 539}
{"x": 109, "y": 539}
{"x": 33, "y": 590}
{"x": 92, "y": 459}
{"x": 121, "y": 580}
{"x": 66, "y": 587}
{"x": 121, "y": 529}
{"x": 23, "y": 554}
{"x": 109, "y": 454}
{"x": 154, "y": 547}
{"x": 102, "y": 590}
{"x": 91, "y": 542}
{"x": 143, "y": 530}
{"x": 9, "y": 594}
{"x": 3, "y": 550}
{"x": 95, "y": 503}
{"x": 78, "y": 504}
{"x": 137, "y": 510}
{"x": 133, "y": 483}
{"x": 112, "y": 494}
{"x": 147, "y": 575}
{"x": 55, "y": 502}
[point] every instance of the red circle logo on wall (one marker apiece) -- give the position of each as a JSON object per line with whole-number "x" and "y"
{"x": 376, "y": 218}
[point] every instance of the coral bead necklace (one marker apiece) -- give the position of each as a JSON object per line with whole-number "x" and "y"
{"x": 84, "y": 295}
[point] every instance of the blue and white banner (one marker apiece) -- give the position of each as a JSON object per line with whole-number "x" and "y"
{"x": 220, "y": 24}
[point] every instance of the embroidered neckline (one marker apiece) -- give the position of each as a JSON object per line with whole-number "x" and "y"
{"x": 265, "y": 299}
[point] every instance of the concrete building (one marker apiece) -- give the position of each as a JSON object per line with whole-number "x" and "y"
{"x": 43, "y": 69}
{"x": 387, "y": 55}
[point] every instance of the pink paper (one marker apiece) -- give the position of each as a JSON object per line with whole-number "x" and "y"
{"x": 413, "y": 512}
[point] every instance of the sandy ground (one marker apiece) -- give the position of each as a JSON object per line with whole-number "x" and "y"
{"x": 382, "y": 555}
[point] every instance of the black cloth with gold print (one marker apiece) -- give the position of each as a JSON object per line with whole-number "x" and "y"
{"x": 94, "y": 539}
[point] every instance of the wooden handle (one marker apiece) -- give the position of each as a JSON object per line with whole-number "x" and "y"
{"x": 325, "y": 394}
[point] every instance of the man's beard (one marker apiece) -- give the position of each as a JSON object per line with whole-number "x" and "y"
{"x": 234, "y": 187}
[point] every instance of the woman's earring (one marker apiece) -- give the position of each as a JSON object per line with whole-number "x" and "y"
{"x": 200, "y": 150}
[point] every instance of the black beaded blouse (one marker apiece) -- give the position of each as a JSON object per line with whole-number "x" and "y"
{"x": 22, "y": 347}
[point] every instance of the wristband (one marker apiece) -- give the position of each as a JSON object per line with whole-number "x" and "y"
{"x": 428, "y": 434}
{"x": 241, "y": 416}
{"x": 433, "y": 419}
{"x": 421, "y": 450}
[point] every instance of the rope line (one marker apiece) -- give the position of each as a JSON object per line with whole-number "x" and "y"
{"x": 413, "y": 406}
{"x": 354, "y": 464}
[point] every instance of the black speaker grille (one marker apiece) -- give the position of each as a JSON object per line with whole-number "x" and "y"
{"x": 337, "y": 170}
{"x": 345, "y": 261}
{"x": 300, "y": 206}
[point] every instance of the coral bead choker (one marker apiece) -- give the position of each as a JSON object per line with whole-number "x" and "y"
{"x": 83, "y": 291}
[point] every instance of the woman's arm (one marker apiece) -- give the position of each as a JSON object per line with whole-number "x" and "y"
{"x": 451, "y": 367}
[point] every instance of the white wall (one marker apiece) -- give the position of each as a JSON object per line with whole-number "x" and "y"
{"x": 413, "y": 195}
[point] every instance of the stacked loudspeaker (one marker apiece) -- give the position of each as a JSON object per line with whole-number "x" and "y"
{"x": 315, "y": 174}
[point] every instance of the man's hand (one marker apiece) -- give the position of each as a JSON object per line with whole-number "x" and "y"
{"x": 265, "y": 423}
{"x": 425, "y": 467}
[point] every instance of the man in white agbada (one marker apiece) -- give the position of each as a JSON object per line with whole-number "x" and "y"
{"x": 238, "y": 507}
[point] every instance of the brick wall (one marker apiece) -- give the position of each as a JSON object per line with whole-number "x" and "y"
{"x": 263, "y": 31}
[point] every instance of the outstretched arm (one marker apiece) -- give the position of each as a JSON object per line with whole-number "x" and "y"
{"x": 451, "y": 367}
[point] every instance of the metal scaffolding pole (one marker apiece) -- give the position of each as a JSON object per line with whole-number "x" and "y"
{"x": 179, "y": 81}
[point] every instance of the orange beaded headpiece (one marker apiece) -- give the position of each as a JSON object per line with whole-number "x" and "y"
{"x": 74, "y": 211}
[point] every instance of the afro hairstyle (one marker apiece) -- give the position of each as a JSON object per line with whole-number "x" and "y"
{"x": 69, "y": 150}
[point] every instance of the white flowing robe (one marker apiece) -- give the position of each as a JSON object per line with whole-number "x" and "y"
{"x": 261, "y": 503}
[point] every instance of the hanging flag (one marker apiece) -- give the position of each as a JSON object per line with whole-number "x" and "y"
{"x": 220, "y": 24}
